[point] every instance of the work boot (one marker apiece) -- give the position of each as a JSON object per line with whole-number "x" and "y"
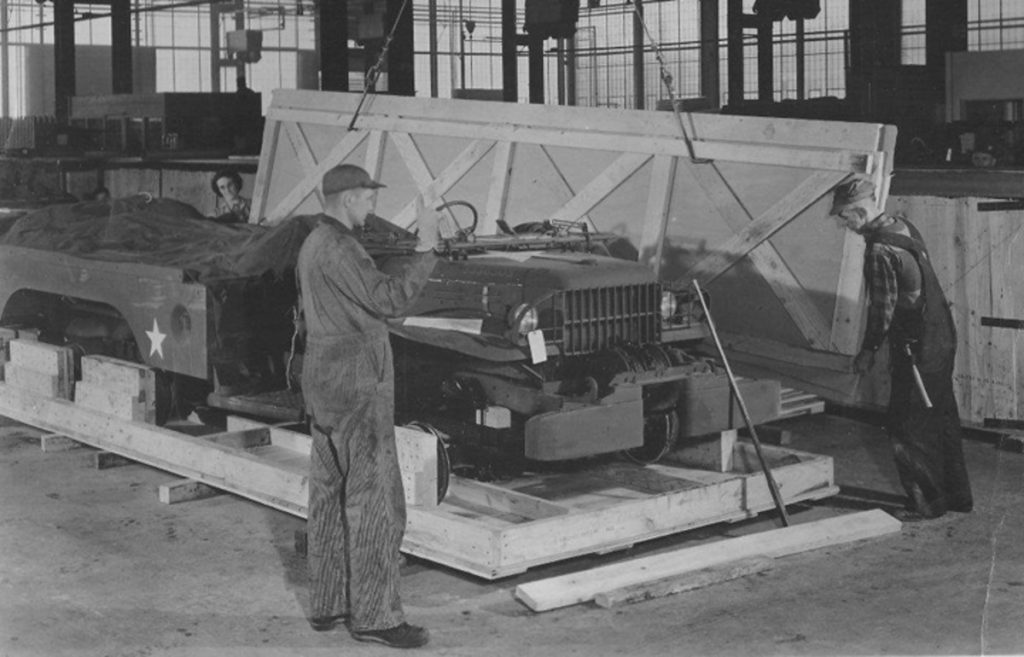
{"x": 401, "y": 636}
{"x": 325, "y": 623}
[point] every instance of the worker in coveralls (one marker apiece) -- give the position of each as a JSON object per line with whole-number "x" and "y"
{"x": 356, "y": 501}
{"x": 907, "y": 306}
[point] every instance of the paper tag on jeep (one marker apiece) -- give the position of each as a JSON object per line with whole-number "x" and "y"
{"x": 538, "y": 352}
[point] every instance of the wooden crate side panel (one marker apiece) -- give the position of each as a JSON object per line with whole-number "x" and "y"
{"x": 571, "y": 163}
{"x": 1006, "y": 273}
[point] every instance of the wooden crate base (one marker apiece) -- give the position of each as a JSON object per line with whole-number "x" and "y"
{"x": 495, "y": 531}
{"x": 487, "y": 530}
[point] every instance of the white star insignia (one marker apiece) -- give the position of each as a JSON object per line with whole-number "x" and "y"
{"x": 156, "y": 340}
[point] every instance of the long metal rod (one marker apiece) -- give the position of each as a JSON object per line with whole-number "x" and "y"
{"x": 743, "y": 409}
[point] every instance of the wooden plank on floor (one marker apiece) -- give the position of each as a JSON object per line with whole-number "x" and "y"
{"x": 665, "y": 586}
{"x": 575, "y": 588}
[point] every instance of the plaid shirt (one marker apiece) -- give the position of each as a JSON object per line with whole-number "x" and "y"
{"x": 893, "y": 278}
{"x": 881, "y": 267}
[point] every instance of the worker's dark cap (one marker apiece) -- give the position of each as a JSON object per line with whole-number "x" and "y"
{"x": 348, "y": 176}
{"x": 850, "y": 192}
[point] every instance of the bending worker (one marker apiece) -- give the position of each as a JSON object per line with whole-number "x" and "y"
{"x": 356, "y": 501}
{"x": 907, "y": 307}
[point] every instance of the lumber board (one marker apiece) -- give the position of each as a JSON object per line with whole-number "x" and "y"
{"x": 417, "y": 459}
{"x": 574, "y": 588}
{"x": 497, "y": 196}
{"x": 103, "y": 460}
{"x": 241, "y": 438}
{"x": 57, "y": 442}
{"x": 764, "y": 256}
{"x": 504, "y": 500}
{"x": 220, "y": 466}
{"x": 279, "y": 435}
{"x": 116, "y": 402}
{"x": 44, "y": 368}
{"x": 265, "y": 171}
{"x": 44, "y": 358}
{"x": 185, "y": 490}
{"x": 312, "y": 180}
{"x": 438, "y": 186}
{"x": 601, "y": 186}
{"x": 713, "y": 453}
{"x": 131, "y": 379}
{"x": 848, "y": 161}
{"x": 7, "y": 334}
{"x": 30, "y": 380}
{"x": 820, "y": 134}
{"x": 665, "y": 586}
{"x": 300, "y": 146}
{"x": 656, "y": 217}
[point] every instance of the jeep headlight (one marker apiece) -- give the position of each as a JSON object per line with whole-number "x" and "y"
{"x": 669, "y": 305}
{"x": 524, "y": 319}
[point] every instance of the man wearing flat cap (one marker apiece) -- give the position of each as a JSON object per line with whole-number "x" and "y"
{"x": 907, "y": 308}
{"x": 356, "y": 501}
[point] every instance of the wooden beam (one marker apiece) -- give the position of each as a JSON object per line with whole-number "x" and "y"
{"x": 601, "y": 186}
{"x": 659, "y": 200}
{"x": 497, "y": 195}
{"x": 104, "y": 460}
{"x": 447, "y": 179}
{"x": 57, "y": 442}
{"x": 300, "y": 145}
{"x": 413, "y": 159}
{"x": 574, "y": 588}
{"x": 241, "y": 438}
{"x": 561, "y": 176}
{"x": 660, "y": 125}
{"x": 763, "y": 255}
{"x": 264, "y": 170}
{"x": 665, "y": 586}
{"x": 374, "y": 161}
{"x": 849, "y": 161}
{"x": 193, "y": 457}
{"x": 848, "y": 312}
{"x": 185, "y": 490}
{"x": 754, "y": 234}
{"x": 504, "y": 499}
{"x": 305, "y": 187}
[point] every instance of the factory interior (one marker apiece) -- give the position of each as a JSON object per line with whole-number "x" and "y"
{"x": 700, "y": 327}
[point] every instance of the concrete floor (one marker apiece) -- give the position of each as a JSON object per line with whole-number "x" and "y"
{"x": 92, "y": 564}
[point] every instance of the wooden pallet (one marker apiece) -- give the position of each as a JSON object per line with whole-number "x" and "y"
{"x": 797, "y": 402}
{"x": 487, "y": 530}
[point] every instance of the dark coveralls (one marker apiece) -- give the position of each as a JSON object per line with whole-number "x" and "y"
{"x": 927, "y": 442}
{"x": 356, "y": 501}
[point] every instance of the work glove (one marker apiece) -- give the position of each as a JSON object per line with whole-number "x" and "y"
{"x": 428, "y": 226}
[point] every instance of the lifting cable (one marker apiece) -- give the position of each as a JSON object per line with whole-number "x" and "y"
{"x": 666, "y": 79}
{"x": 370, "y": 81}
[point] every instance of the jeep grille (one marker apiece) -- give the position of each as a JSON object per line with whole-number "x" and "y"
{"x": 598, "y": 318}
